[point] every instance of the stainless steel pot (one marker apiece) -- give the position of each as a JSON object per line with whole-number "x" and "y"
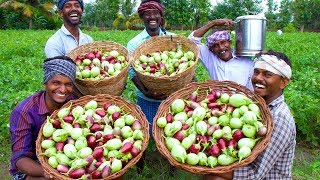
{"x": 250, "y": 35}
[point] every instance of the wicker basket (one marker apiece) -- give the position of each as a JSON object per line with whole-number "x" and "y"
{"x": 101, "y": 99}
{"x": 223, "y": 86}
{"x": 113, "y": 85}
{"x": 166, "y": 85}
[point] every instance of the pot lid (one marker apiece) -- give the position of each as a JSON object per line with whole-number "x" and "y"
{"x": 251, "y": 17}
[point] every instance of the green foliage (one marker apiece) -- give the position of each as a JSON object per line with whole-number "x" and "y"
{"x": 285, "y": 15}
{"x": 13, "y": 20}
{"x": 21, "y": 56}
{"x": 306, "y": 13}
{"x": 106, "y": 12}
{"x": 316, "y": 165}
{"x": 306, "y": 162}
{"x": 173, "y": 14}
{"x": 23, "y": 74}
{"x": 128, "y": 7}
{"x": 94, "y": 29}
{"x": 30, "y": 10}
{"x": 194, "y": 12}
{"x": 271, "y": 15}
{"x": 303, "y": 92}
{"x": 232, "y": 9}
{"x": 201, "y": 11}
{"x": 290, "y": 28}
{"x": 127, "y": 22}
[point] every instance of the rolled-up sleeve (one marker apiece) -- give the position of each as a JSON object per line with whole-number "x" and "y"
{"x": 196, "y": 40}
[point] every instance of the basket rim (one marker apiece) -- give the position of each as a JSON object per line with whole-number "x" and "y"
{"x": 92, "y": 45}
{"x": 164, "y": 38}
{"x": 134, "y": 109}
{"x": 263, "y": 142}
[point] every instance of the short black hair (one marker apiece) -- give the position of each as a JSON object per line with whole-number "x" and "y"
{"x": 279, "y": 55}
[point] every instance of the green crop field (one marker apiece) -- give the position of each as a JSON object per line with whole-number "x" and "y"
{"x": 22, "y": 54}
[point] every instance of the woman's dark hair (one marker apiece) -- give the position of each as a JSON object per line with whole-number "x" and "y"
{"x": 279, "y": 55}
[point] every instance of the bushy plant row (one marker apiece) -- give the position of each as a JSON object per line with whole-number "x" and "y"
{"x": 21, "y": 73}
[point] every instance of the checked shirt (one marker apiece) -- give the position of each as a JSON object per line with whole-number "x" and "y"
{"x": 275, "y": 162}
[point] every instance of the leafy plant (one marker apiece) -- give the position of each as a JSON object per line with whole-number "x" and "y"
{"x": 289, "y": 28}
{"x": 22, "y": 54}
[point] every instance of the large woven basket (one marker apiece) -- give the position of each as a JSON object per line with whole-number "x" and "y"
{"x": 113, "y": 85}
{"x": 166, "y": 85}
{"x": 223, "y": 86}
{"x": 101, "y": 99}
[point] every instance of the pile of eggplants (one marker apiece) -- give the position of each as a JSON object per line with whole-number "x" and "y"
{"x": 90, "y": 141}
{"x": 218, "y": 130}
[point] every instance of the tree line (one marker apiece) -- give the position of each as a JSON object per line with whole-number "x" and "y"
{"x": 289, "y": 15}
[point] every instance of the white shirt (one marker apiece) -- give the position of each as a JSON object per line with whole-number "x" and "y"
{"x": 237, "y": 69}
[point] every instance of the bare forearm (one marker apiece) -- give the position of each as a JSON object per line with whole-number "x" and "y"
{"x": 201, "y": 31}
{"x": 217, "y": 22}
{"x": 30, "y": 167}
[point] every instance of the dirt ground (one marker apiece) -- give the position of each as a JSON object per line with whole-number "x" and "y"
{"x": 303, "y": 156}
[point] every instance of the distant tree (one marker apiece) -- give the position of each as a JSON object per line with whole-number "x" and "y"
{"x": 232, "y": 9}
{"x": 306, "y": 14}
{"x": 101, "y": 13}
{"x": 178, "y": 13}
{"x": 128, "y": 7}
{"x": 127, "y": 17}
{"x": 201, "y": 10}
{"x": 219, "y": 11}
{"x": 285, "y": 15}
{"x": 30, "y": 8}
{"x": 88, "y": 17}
{"x": 252, "y": 7}
{"x": 271, "y": 14}
{"x": 107, "y": 11}
{"x": 2, "y": 20}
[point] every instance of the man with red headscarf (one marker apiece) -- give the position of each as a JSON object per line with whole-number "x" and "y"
{"x": 152, "y": 14}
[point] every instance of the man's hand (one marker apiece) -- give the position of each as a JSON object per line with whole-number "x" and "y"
{"x": 154, "y": 95}
{"x": 222, "y": 22}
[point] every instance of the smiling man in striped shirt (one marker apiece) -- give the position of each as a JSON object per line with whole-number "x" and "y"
{"x": 28, "y": 116}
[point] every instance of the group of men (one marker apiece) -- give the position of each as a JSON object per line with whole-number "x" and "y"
{"x": 267, "y": 75}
